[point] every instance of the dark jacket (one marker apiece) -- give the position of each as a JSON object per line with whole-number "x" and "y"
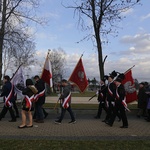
{"x": 40, "y": 85}
{"x": 111, "y": 95}
{"x": 142, "y": 98}
{"x": 120, "y": 94}
{"x": 102, "y": 94}
{"x": 6, "y": 89}
{"x": 29, "y": 92}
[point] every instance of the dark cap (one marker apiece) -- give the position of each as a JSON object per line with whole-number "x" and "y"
{"x": 36, "y": 77}
{"x": 113, "y": 74}
{"x": 7, "y": 78}
{"x": 142, "y": 83}
{"x": 29, "y": 82}
{"x": 64, "y": 80}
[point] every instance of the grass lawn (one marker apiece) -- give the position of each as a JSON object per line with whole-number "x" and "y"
{"x": 73, "y": 145}
{"x": 85, "y": 106}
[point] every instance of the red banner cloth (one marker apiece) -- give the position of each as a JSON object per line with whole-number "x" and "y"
{"x": 128, "y": 82}
{"x": 78, "y": 76}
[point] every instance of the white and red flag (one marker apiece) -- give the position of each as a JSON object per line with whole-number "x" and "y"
{"x": 18, "y": 80}
{"x": 78, "y": 76}
{"x": 128, "y": 82}
{"x": 47, "y": 72}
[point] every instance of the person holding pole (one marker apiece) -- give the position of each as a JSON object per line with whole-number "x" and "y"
{"x": 65, "y": 97}
{"x": 8, "y": 94}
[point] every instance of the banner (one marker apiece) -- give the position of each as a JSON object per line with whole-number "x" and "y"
{"x": 47, "y": 72}
{"x": 78, "y": 76}
{"x": 128, "y": 82}
{"x": 18, "y": 81}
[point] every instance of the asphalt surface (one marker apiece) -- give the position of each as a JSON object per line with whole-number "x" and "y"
{"x": 86, "y": 128}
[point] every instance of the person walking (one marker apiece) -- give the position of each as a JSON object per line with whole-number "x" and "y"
{"x": 111, "y": 95}
{"x": 40, "y": 113}
{"x": 8, "y": 94}
{"x": 142, "y": 100}
{"x": 65, "y": 99}
{"x": 27, "y": 106}
{"x": 101, "y": 99}
{"x": 119, "y": 103}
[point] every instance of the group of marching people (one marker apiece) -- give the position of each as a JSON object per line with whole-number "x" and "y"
{"x": 112, "y": 99}
{"x": 34, "y": 98}
{"x": 144, "y": 101}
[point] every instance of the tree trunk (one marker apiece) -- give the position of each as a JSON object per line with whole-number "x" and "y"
{"x": 100, "y": 57}
{"x": 2, "y": 32}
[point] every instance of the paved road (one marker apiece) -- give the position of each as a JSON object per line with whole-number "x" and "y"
{"x": 86, "y": 128}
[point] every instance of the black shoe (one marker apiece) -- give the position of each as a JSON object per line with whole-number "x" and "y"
{"x": 13, "y": 120}
{"x": 124, "y": 127}
{"x": 108, "y": 124}
{"x": 29, "y": 126}
{"x": 97, "y": 117}
{"x": 103, "y": 120}
{"x": 45, "y": 115}
{"x": 138, "y": 116}
{"x": 21, "y": 127}
{"x": 72, "y": 122}
{"x": 39, "y": 121}
{"x": 57, "y": 122}
{"x": 17, "y": 116}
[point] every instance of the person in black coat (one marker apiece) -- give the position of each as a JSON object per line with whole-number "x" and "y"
{"x": 40, "y": 113}
{"x": 119, "y": 103}
{"x": 142, "y": 100}
{"x": 8, "y": 94}
{"x": 111, "y": 95}
{"x": 101, "y": 98}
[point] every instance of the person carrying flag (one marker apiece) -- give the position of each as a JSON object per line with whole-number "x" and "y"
{"x": 8, "y": 94}
{"x": 101, "y": 98}
{"x": 111, "y": 95}
{"x": 120, "y": 104}
{"x": 40, "y": 113}
{"x": 65, "y": 98}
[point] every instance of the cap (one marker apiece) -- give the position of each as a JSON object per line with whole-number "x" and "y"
{"x": 113, "y": 74}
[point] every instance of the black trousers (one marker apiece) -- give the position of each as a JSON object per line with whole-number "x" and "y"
{"x": 119, "y": 108}
{"x": 100, "y": 108}
{"x": 4, "y": 111}
{"x": 63, "y": 111}
{"x": 15, "y": 108}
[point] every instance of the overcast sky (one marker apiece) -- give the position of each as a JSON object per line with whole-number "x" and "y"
{"x": 130, "y": 47}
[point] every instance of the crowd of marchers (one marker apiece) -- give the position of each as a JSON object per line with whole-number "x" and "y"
{"x": 34, "y": 98}
{"x": 111, "y": 98}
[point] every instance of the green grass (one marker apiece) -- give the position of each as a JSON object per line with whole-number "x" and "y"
{"x": 85, "y": 106}
{"x": 77, "y": 94}
{"x": 73, "y": 145}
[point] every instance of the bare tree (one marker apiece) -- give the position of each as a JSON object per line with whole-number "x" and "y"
{"x": 16, "y": 15}
{"x": 104, "y": 15}
{"x": 57, "y": 58}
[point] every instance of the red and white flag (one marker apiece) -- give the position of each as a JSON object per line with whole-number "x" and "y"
{"x": 18, "y": 80}
{"x": 47, "y": 72}
{"x": 78, "y": 76}
{"x": 128, "y": 82}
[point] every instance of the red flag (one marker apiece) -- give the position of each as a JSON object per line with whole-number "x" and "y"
{"x": 128, "y": 82}
{"x": 78, "y": 76}
{"x": 47, "y": 72}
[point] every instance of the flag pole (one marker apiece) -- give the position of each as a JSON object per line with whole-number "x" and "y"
{"x": 129, "y": 69}
{"x": 16, "y": 70}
